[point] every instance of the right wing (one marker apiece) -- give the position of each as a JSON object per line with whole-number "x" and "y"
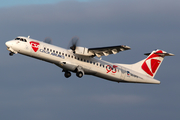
{"x": 105, "y": 51}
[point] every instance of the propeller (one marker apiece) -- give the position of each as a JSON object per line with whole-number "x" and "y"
{"x": 48, "y": 40}
{"x": 73, "y": 43}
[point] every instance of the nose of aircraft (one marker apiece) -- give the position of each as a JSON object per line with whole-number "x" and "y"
{"x": 8, "y": 43}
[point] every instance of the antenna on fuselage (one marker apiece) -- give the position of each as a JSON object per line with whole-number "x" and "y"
{"x": 28, "y": 36}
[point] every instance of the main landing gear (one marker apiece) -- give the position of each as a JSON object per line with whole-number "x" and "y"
{"x": 67, "y": 74}
{"x": 79, "y": 74}
{"x": 79, "y": 71}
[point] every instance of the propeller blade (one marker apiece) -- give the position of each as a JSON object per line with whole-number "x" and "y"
{"x": 48, "y": 40}
{"x": 73, "y": 43}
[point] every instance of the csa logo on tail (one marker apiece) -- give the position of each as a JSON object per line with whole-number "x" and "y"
{"x": 152, "y": 63}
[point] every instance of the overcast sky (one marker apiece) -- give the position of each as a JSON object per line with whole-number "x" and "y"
{"x": 35, "y": 90}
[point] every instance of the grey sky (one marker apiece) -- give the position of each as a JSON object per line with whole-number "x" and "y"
{"x": 10, "y": 3}
{"x": 32, "y": 89}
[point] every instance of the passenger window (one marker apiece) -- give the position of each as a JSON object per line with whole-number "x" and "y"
{"x": 68, "y": 55}
{"x": 44, "y": 48}
{"x": 84, "y": 60}
{"x": 47, "y": 49}
{"x": 87, "y": 61}
{"x": 65, "y": 54}
{"x": 24, "y": 40}
{"x": 71, "y": 56}
{"x": 94, "y": 63}
{"x": 50, "y": 50}
{"x": 59, "y": 52}
{"x": 54, "y": 51}
{"x": 78, "y": 58}
{"x": 90, "y": 62}
{"x": 81, "y": 59}
{"x": 21, "y": 39}
{"x": 75, "y": 57}
{"x": 62, "y": 53}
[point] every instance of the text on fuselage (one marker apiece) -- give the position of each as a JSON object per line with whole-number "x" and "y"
{"x": 51, "y": 53}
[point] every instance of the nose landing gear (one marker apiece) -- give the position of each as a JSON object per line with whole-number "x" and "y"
{"x": 11, "y": 53}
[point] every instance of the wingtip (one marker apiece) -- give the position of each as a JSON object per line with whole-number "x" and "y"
{"x": 126, "y": 47}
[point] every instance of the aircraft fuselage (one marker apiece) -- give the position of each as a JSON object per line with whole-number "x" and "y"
{"x": 71, "y": 62}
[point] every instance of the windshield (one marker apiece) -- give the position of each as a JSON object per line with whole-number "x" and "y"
{"x": 17, "y": 38}
{"x": 21, "y": 39}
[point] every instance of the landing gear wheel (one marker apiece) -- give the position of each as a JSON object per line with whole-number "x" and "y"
{"x": 79, "y": 74}
{"x": 67, "y": 74}
{"x": 11, "y": 53}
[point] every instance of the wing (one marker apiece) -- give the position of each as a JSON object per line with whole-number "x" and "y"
{"x": 105, "y": 51}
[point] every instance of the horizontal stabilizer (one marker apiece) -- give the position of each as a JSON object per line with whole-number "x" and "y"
{"x": 161, "y": 54}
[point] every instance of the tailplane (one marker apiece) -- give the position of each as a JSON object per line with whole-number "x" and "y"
{"x": 151, "y": 64}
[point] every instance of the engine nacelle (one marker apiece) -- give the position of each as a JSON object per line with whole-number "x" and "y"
{"x": 83, "y": 51}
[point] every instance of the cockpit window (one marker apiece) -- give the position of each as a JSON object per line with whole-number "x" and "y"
{"x": 17, "y": 38}
{"x": 21, "y": 39}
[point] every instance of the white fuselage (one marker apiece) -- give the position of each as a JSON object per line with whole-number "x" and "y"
{"x": 70, "y": 61}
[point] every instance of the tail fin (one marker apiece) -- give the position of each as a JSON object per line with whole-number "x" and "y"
{"x": 151, "y": 64}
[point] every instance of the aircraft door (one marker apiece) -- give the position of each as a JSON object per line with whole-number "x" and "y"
{"x": 123, "y": 73}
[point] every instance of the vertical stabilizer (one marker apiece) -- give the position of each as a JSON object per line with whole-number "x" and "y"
{"x": 151, "y": 64}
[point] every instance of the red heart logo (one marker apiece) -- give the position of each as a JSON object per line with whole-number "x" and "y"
{"x": 34, "y": 45}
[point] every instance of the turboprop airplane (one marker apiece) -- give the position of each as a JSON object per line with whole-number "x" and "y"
{"x": 83, "y": 61}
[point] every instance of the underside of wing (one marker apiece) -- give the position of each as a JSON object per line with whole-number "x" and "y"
{"x": 105, "y": 51}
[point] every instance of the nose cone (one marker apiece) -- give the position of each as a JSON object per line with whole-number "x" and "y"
{"x": 8, "y": 43}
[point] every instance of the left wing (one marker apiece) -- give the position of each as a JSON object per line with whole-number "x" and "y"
{"x": 105, "y": 51}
